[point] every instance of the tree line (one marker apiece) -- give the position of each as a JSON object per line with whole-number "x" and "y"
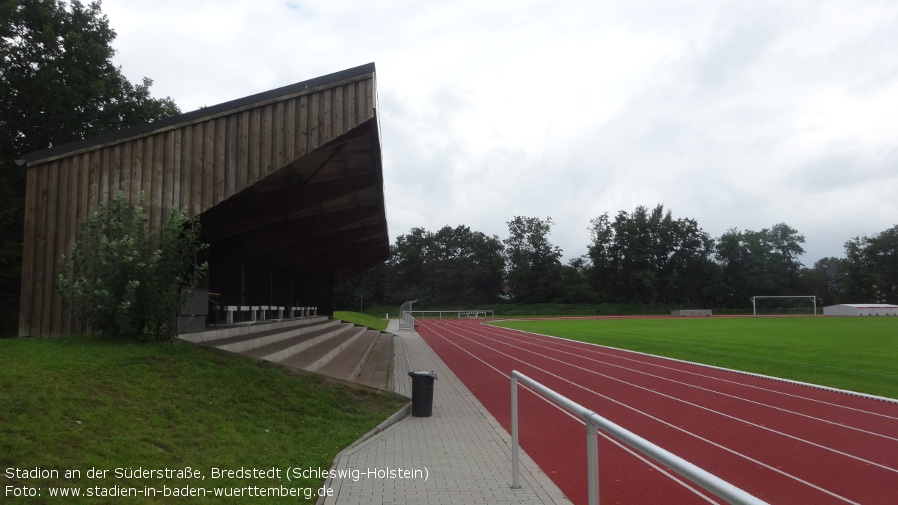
{"x": 641, "y": 257}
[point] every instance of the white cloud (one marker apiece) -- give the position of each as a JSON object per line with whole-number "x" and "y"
{"x": 736, "y": 114}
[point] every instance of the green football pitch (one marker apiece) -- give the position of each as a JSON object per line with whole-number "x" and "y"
{"x": 853, "y": 353}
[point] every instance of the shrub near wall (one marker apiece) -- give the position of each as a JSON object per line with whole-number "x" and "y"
{"x": 119, "y": 281}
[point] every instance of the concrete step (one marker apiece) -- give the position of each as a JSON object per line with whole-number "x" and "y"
{"x": 282, "y": 349}
{"x": 318, "y": 344}
{"x": 216, "y": 333}
{"x": 377, "y": 369}
{"x": 347, "y": 364}
{"x": 314, "y": 357}
{"x": 243, "y": 343}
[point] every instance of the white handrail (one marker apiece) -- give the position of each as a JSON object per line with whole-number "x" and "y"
{"x": 719, "y": 487}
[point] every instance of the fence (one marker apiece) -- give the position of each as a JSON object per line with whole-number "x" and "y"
{"x": 720, "y": 488}
{"x": 451, "y": 314}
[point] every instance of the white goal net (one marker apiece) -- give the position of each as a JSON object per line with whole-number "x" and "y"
{"x": 784, "y": 305}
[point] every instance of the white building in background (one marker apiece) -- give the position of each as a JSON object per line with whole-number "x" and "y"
{"x": 861, "y": 309}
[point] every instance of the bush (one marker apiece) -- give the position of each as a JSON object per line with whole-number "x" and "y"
{"x": 117, "y": 283}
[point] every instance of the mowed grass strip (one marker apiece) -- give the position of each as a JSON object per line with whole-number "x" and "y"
{"x": 362, "y": 319}
{"x": 853, "y": 353}
{"x": 82, "y": 403}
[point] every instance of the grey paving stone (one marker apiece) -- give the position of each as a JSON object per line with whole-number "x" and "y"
{"x": 463, "y": 451}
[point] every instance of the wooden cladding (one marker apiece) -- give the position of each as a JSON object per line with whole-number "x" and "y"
{"x": 193, "y": 165}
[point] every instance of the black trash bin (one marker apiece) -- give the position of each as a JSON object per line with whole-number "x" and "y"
{"x": 422, "y": 393}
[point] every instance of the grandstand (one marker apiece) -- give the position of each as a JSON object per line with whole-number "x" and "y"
{"x": 288, "y": 185}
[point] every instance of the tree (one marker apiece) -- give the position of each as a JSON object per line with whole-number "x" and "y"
{"x": 57, "y": 84}
{"x": 467, "y": 265}
{"x": 575, "y": 279}
{"x": 648, "y": 257}
{"x": 408, "y": 265}
{"x": 533, "y": 263}
{"x": 871, "y": 265}
{"x": 121, "y": 281}
{"x": 760, "y": 262}
{"x": 826, "y": 280}
{"x": 690, "y": 274}
{"x": 452, "y": 266}
{"x": 640, "y": 251}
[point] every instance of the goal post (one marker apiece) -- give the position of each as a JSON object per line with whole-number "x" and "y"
{"x": 754, "y": 308}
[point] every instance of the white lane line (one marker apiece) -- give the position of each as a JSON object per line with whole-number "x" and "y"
{"x": 659, "y": 420}
{"x": 702, "y": 388}
{"x": 708, "y": 409}
{"x": 611, "y": 439}
{"x": 571, "y": 343}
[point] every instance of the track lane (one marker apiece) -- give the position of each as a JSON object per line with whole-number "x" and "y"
{"x": 554, "y": 460}
{"x": 574, "y": 396}
{"x": 668, "y": 419}
{"x": 631, "y": 477}
{"x": 824, "y": 464}
{"x": 753, "y": 408}
{"x": 850, "y": 404}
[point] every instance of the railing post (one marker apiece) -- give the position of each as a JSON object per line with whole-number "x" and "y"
{"x": 722, "y": 489}
{"x": 592, "y": 461}
{"x": 515, "y": 482}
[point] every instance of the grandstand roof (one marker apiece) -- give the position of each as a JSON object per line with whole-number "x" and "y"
{"x": 288, "y": 185}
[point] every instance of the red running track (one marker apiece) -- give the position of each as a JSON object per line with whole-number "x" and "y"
{"x": 782, "y": 442}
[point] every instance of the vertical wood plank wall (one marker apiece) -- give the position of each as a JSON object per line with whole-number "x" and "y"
{"x": 193, "y": 166}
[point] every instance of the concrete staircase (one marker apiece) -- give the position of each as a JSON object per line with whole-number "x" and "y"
{"x": 317, "y": 344}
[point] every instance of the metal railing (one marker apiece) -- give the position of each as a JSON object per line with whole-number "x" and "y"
{"x": 453, "y": 314}
{"x": 720, "y": 488}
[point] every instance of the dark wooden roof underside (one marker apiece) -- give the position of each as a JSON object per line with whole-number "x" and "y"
{"x": 321, "y": 214}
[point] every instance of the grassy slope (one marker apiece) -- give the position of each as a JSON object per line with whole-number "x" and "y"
{"x": 77, "y": 403}
{"x": 362, "y": 319}
{"x": 859, "y": 354}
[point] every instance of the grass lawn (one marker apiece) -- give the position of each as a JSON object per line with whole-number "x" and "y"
{"x": 854, "y": 353}
{"x": 377, "y": 323}
{"x": 86, "y": 402}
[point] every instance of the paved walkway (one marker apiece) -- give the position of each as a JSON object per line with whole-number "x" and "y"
{"x": 459, "y": 455}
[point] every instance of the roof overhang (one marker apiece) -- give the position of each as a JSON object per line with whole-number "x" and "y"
{"x": 324, "y": 213}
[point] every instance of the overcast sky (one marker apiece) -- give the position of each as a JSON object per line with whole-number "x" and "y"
{"x": 738, "y": 114}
